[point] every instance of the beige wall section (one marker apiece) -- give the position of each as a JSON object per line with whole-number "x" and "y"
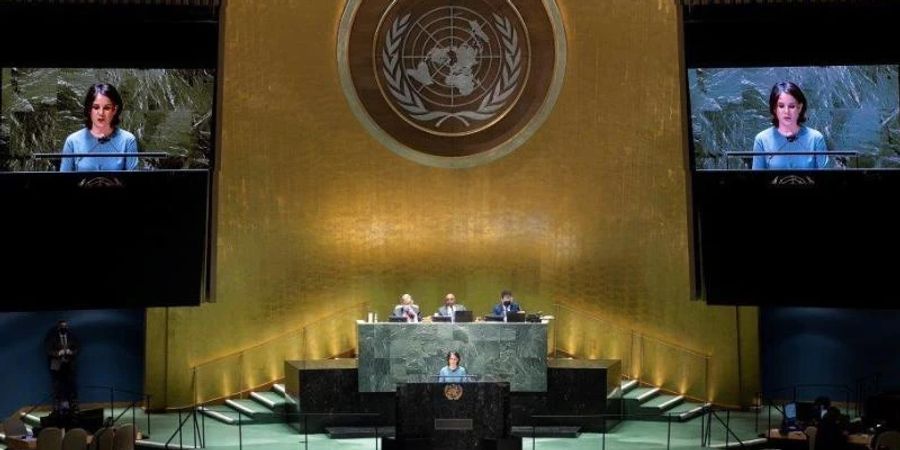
{"x": 314, "y": 215}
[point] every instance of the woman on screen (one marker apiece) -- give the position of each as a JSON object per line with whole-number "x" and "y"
{"x": 453, "y": 372}
{"x": 787, "y": 104}
{"x": 102, "y": 109}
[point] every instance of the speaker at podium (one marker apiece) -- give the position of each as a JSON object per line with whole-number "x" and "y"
{"x": 453, "y": 416}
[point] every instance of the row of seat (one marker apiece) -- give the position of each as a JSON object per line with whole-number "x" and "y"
{"x": 52, "y": 438}
{"x": 888, "y": 440}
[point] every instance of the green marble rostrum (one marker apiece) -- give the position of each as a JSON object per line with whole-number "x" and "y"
{"x": 391, "y": 353}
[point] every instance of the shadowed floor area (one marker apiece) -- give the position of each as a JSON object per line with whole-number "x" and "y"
{"x": 279, "y": 436}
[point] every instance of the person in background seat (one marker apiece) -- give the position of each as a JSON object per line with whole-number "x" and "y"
{"x": 450, "y": 307}
{"x": 506, "y": 306}
{"x": 407, "y": 309}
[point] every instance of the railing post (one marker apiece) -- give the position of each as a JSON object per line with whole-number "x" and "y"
{"x": 706, "y": 378}
{"x": 147, "y": 412}
{"x": 758, "y": 411}
{"x": 640, "y": 357}
{"x": 194, "y": 384}
{"x": 703, "y": 428}
{"x": 202, "y": 427}
{"x": 604, "y": 434}
{"x": 112, "y": 413}
{"x": 240, "y": 432}
{"x": 196, "y": 426}
{"x": 180, "y": 424}
{"x": 241, "y": 375}
{"x": 556, "y": 322}
{"x": 727, "y": 426}
{"x": 669, "y": 433}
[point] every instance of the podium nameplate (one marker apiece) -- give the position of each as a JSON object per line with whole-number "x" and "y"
{"x": 453, "y": 424}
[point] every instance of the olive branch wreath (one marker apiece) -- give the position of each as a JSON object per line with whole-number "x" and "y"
{"x": 411, "y": 102}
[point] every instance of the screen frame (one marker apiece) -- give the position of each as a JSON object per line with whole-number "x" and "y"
{"x": 727, "y": 35}
{"x": 141, "y": 35}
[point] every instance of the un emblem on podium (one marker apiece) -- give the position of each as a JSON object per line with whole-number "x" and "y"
{"x": 453, "y": 392}
{"x": 451, "y": 83}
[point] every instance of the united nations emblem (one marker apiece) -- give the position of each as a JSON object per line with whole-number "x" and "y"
{"x": 451, "y": 83}
{"x": 453, "y": 392}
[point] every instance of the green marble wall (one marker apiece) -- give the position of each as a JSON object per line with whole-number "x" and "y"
{"x": 391, "y": 353}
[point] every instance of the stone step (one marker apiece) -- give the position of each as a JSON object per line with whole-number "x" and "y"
{"x": 546, "y": 432}
{"x": 663, "y": 402}
{"x": 358, "y": 432}
{"x": 249, "y": 407}
{"x": 227, "y": 416}
{"x": 688, "y": 410}
{"x": 642, "y": 394}
{"x": 271, "y": 400}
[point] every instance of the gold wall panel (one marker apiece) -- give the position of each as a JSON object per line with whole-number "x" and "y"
{"x": 315, "y": 216}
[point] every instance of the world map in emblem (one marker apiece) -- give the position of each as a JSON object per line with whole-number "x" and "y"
{"x": 451, "y": 83}
{"x": 453, "y": 69}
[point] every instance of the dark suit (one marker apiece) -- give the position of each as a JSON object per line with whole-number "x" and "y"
{"x": 445, "y": 312}
{"x": 513, "y": 308}
{"x": 62, "y": 367}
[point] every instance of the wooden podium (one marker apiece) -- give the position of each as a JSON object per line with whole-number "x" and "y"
{"x": 451, "y": 416}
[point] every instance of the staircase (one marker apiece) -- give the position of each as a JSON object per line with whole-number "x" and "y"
{"x": 260, "y": 407}
{"x": 649, "y": 403}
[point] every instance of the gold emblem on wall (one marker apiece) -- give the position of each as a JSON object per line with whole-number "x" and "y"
{"x": 451, "y": 83}
{"x": 453, "y": 392}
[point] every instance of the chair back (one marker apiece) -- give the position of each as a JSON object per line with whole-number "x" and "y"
{"x": 124, "y": 438}
{"x": 75, "y": 439}
{"x": 103, "y": 439}
{"x": 889, "y": 440}
{"x": 14, "y": 427}
{"x": 810, "y": 433}
{"x": 49, "y": 438}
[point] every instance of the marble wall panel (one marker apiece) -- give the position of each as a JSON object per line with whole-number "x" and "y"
{"x": 391, "y": 353}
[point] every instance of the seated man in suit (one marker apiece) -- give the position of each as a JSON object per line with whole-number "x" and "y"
{"x": 506, "y": 306}
{"x": 407, "y": 309}
{"x": 450, "y": 307}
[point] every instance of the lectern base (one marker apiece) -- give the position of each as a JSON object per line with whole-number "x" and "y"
{"x": 392, "y": 443}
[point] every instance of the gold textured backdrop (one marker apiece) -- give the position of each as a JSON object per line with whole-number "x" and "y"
{"x": 315, "y": 216}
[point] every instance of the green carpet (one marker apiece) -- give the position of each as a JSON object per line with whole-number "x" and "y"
{"x": 630, "y": 435}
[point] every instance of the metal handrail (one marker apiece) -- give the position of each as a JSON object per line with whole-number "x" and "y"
{"x": 179, "y": 431}
{"x": 292, "y": 333}
{"x": 706, "y": 427}
{"x": 604, "y": 417}
{"x": 594, "y": 316}
{"x": 675, "y": 346}
{"x": 43, "y": 155}
{"x": 641, "y": 338}
{"x": 235, "y": 362}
